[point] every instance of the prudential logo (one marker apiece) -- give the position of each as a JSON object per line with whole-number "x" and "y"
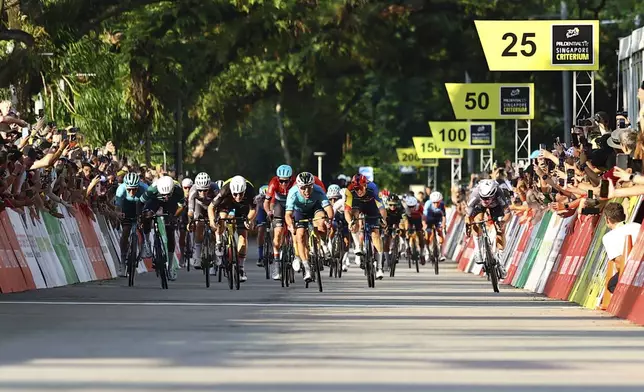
{"x": 572, "y": 32}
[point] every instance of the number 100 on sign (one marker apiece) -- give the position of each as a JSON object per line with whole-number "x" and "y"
{"x": 463, "y": 134}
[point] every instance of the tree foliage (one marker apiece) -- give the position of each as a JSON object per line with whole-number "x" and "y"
{"x": 353, "y": 78}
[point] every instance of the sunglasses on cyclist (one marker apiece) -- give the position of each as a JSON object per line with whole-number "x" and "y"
{"x": 284, "y": 180}
{"x": 238, "y": 194}
{"x": 186, "y": 187}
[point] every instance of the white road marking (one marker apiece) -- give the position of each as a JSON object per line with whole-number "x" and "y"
{"x": 270, "y": 305}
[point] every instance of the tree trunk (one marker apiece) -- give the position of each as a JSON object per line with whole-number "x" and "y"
{"x": 282, "y": 133}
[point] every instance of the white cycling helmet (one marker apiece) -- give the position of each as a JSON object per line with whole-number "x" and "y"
{"x": 411, "y": 201}
{"x": 186, "y": 183}
{"x": 304, "y": 179}
{"x": 238, "y": 184}
{"x": 487, "y": 188}
{"x": 202, "y": 181}
{"x": 165, "y": 185}
{"x": 334, "y": 192}
{"x": 435, "y": 197}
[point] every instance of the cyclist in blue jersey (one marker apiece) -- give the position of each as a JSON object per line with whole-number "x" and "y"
{"x": 435, "y": 216}
{"x": 128, "y": 194}
{"x": 363, "y": 197}
{"x": 307, "y": 201}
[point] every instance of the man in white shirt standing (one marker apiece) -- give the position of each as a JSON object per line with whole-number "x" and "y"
{"x": 614, "y": 240}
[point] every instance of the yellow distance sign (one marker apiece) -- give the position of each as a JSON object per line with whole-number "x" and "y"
{"x": 463, "y": 134}
{"x": 426, "y": 147}
{"x": 409, "y": 157}
{"x": 492, "y": 101}
{"x": 540, "y": 45}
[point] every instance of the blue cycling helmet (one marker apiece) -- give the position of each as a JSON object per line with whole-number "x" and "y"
{"x": 284, "y": 171}
{"x": 263, "y": 189}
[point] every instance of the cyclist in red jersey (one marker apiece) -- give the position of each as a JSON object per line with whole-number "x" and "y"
{"x": 275, "y": 207}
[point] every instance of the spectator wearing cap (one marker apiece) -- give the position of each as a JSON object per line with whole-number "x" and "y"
{"x": 628, "y": 141}
{"x": 614, "y": 240}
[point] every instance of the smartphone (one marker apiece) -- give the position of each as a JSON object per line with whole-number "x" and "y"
{"x": 590, "y": 194}
{"x": 622, "y": 123}
{"x": 570, "y": 175}
{"x": 603, "y": 190}
{"x": 542, "y": 146}
{"x": 63, "y": 135}
{"x": 622, "y": 161}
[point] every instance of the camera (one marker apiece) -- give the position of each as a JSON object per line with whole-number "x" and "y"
{"x": 591, "y": 205}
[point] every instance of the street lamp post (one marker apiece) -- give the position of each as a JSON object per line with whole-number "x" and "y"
{"x": 320, "y": 155}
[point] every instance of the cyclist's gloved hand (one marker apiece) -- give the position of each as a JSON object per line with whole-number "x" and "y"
{"x": 248, "y": 224}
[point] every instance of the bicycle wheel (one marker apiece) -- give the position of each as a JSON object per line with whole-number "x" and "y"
{"x": 369, "y": 270}
{"x": 235, "y": 270}
{"x": 340, "y": 245}
{"x": 392, "y": 257}
{"x": 436, "y": 253}
{"x": 131, "y": 259}
{"x": 416, "y": 256}
{"x": 188, "y": 251}
{"x": 160, "y": 262}
{"x": 490, "y": 266}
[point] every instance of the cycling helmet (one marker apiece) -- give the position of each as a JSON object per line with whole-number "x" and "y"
{"x": 284, "y": 171}
{"x": 238, "y": 184}
{"x": 131, "y": 180}
{"x": 304, "y": 179}
{"x": 487, "y": 188}
{"x": 334, "y": 192}
{"x": 165, "y": 185}
{"x": 263, "y": 189}
{"x": 219, "y": 183}
{"x": 393, "y": 199}
{"x": 186, "y": 183}
{"x": 435, "y": 197}
{"x": 202, "y": 181}
{"x": 385, "y": 193}
{"x": 358, "y": 181}
{"x": 411, "y": 201}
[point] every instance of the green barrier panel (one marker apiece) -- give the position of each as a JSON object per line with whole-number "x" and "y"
{"x": 526, "y": 252}
{"x": 534, "y": 251}
{"x": 593, "y": 257}
{"x": 60, "y": 247}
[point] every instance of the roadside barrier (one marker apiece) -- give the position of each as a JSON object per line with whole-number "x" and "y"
{"x": 45, "y": 251}
{"x": 564, "y": 258}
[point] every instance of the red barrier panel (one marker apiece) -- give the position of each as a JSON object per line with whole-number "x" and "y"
{"x": 563, "y": 276}
{"x": 92, "y": 245}
{"x": 518, "y": 253}
{"x": 11, "y": 278}
{"x": 14, "y": 246}
{"x": 466, "y": 254}
{"x": 628, "y": 299}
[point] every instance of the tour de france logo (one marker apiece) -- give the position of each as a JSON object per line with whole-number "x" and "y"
{"x": 572, "y": 45}
{"x": 515, "y": 101}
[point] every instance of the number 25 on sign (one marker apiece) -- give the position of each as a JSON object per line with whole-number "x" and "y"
{"x": 540, "y": 45}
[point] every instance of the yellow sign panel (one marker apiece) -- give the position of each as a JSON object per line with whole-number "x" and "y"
{"x": 540, "y": 45}
{"x": 463, "y": 134}
{"x": 409, "y": 157}
{"x": 491, "y": 101}
{"x": 426, "y": 147}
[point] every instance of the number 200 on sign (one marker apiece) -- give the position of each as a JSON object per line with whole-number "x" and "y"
{"x": 410, "y": 157}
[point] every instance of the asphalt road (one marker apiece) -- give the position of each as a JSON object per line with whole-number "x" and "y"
{"x": 416, "y": 332}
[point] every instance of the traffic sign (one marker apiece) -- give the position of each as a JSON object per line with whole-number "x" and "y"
{"x": 540, "y": 45}
{"x": 426, "y": 147}
{"x": 491, "y": 101}
{"x": 463, "y": 134}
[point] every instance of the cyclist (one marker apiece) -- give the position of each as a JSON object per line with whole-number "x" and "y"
{"x": 261, "y": 220}
{"x": 186, "y": 184}
{"x": 307, "y": 201}
{"x": 487, "y": 196}
{"x": 395, "y": 214}
{"x": 414, "y": 224}
{"x": 275, "y": 206}
{"x": 236, "y": 194}
{"x": 165, "y": 194}
{"x": 128, "y": 195}
{"x": 200, "y": 196}
{"x": 363, "y": 197}
{"x": 435, "y": 215}
{"x": 336, "y": 197}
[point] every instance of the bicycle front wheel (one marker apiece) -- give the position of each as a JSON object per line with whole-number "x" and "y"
{"x": 490, "y": 267}
{"x": 131, "y": 260}
{"x": 436, "y": 254}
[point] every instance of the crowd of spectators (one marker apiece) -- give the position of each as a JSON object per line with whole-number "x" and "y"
{"x": 43, "y": 166}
